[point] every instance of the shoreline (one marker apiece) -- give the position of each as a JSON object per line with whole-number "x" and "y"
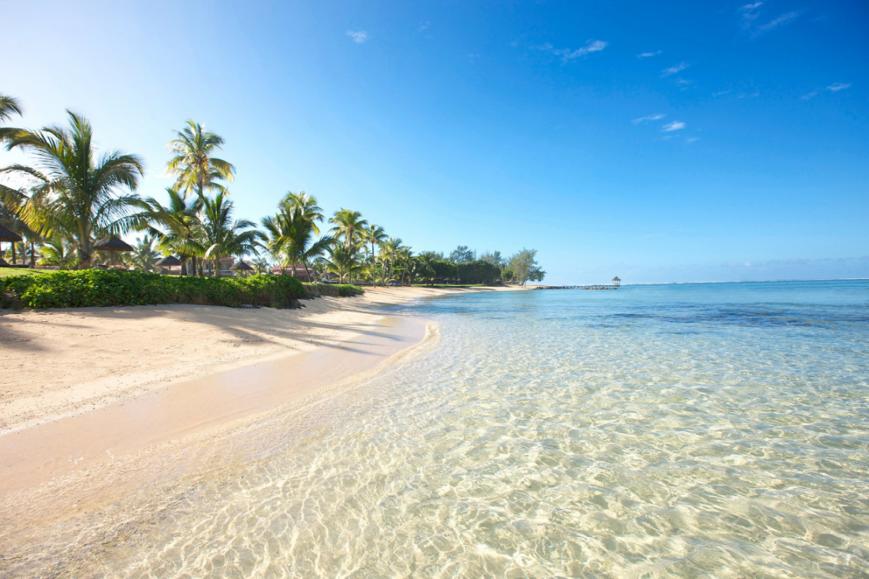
{"x": 67, "y": 362}
{"x": 58, "y": 472}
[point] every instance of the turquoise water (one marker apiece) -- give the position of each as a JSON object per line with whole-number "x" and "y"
{"x": 690, "y": 430}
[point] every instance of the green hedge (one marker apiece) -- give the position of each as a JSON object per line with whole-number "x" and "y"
{"x": 93, "y": 287}
{"x": 335, "y": 290}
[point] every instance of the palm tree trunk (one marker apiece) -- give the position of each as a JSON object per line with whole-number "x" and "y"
{"x": 32, "y": 254}
{"x": 13, "y": 253}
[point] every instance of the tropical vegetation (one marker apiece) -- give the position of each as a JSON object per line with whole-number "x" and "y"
{"x": 72, "y": 204}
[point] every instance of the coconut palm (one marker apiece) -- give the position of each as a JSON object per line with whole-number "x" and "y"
{"x": 56, "y": 252}
{"x": 144, "y": 257}
{"x": 290, "y": 237}
{"x": 194, "y": 163}
{"x": 348, "y": 227}
{"x": 8, "y": 106}
{"x": 342, "y": 262}
{"x": 175, "y": 227}
{"x": 78, "y": 195}
{"x": 305, "y": 206}
{"x": 373, "y": 235}
{"x": 222, "y": 236}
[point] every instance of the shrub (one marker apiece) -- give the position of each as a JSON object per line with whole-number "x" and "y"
{"x": 335, "y": 290}
{"x": 92, "y": 287}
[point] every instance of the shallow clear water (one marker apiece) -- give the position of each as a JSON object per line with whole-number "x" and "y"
{"x": 715, "y": 429}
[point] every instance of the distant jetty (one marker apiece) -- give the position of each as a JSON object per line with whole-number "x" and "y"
{"x": 613, "y": 285}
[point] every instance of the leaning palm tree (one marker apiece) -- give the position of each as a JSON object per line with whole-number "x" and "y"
{"x": 175, "y": 226}
{"x": 8, "y": 106}
{"x": 348, "y": 226}
{"x": 194, "y": 163}
{"x": 78, "y": 195}
{"x": 222, "y": 236}
{"x": 290, "y": 238}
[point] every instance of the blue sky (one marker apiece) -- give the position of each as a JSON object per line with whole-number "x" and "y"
{"x": 661, "y": 141}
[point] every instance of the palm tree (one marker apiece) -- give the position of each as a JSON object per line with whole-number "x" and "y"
{"x": 342, "y": 262}
{"x": 194, "y": 164}
{"x": 144, "y": 257}
{"x": 393, "y": 255}
{"x": 348, "y": 227}
{"x": 305, "y": 206}
{"x": 77, "y": 195}
{"x": 8, "y": 106}
{"x": 56, "y": 252}
{"x": 373, "y": 235}
{"x": 290, "y": 235}
{"x": 223, "y": 236}
{"x": 176, "y": 227}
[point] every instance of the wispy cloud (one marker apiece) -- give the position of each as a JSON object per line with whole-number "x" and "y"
{"x": 750, "y": 15}
{"x": 837, "y": 86}
{"x": 649, "y": 54}
{"x": 675, "y": 69}
{"x": 358, "y": 36}
{"x": 648, "y": 118}
{"x": 674, "y": 126}
{"x": 779, "y": 21}
{"x": 834, "y": 88}
{"x": 569, "y": 54}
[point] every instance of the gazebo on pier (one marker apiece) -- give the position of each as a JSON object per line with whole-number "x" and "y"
{"x": 617, "y": 281}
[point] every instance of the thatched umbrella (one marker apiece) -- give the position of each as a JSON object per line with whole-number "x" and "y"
{"x": 242, "y": 267}
{"x": 168, "y": 261}
{"x": 113, "y": 245}
{"x": 10, "y": 236}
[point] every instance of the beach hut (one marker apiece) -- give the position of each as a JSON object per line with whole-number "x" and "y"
{"x": 11, "y": 237}
{"x": 167, "y": 263}
{"x": 240, "y": 267}
{"x": 617, "y": 281}
{"x": 113, "y": 246}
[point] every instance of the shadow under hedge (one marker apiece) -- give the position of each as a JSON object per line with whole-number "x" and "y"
{"x": 335, "y": 290}
{"x": 93, "y": 287}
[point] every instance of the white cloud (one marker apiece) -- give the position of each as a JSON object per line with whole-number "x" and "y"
{"x": 750, "y": 13}
{"x": 837, "y": 86}
{"x": 778, "y": 21}
{"x": 674, "y": 126}
{"x": 358, "y": 36}
{"x": 649, "y": 54}
{"x": 648, "y": 118}
{"x": 568, "y": 54}
{"x": 675, "y": 69}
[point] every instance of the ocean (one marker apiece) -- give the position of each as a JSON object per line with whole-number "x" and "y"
{"x": 690, "y": 430}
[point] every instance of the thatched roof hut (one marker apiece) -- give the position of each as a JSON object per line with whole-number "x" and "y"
{"x": 168, "y": 261}
{"x": 112, "y": 244}
{"x": 241, "y": 267}
{"x": 8, "y": 235}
